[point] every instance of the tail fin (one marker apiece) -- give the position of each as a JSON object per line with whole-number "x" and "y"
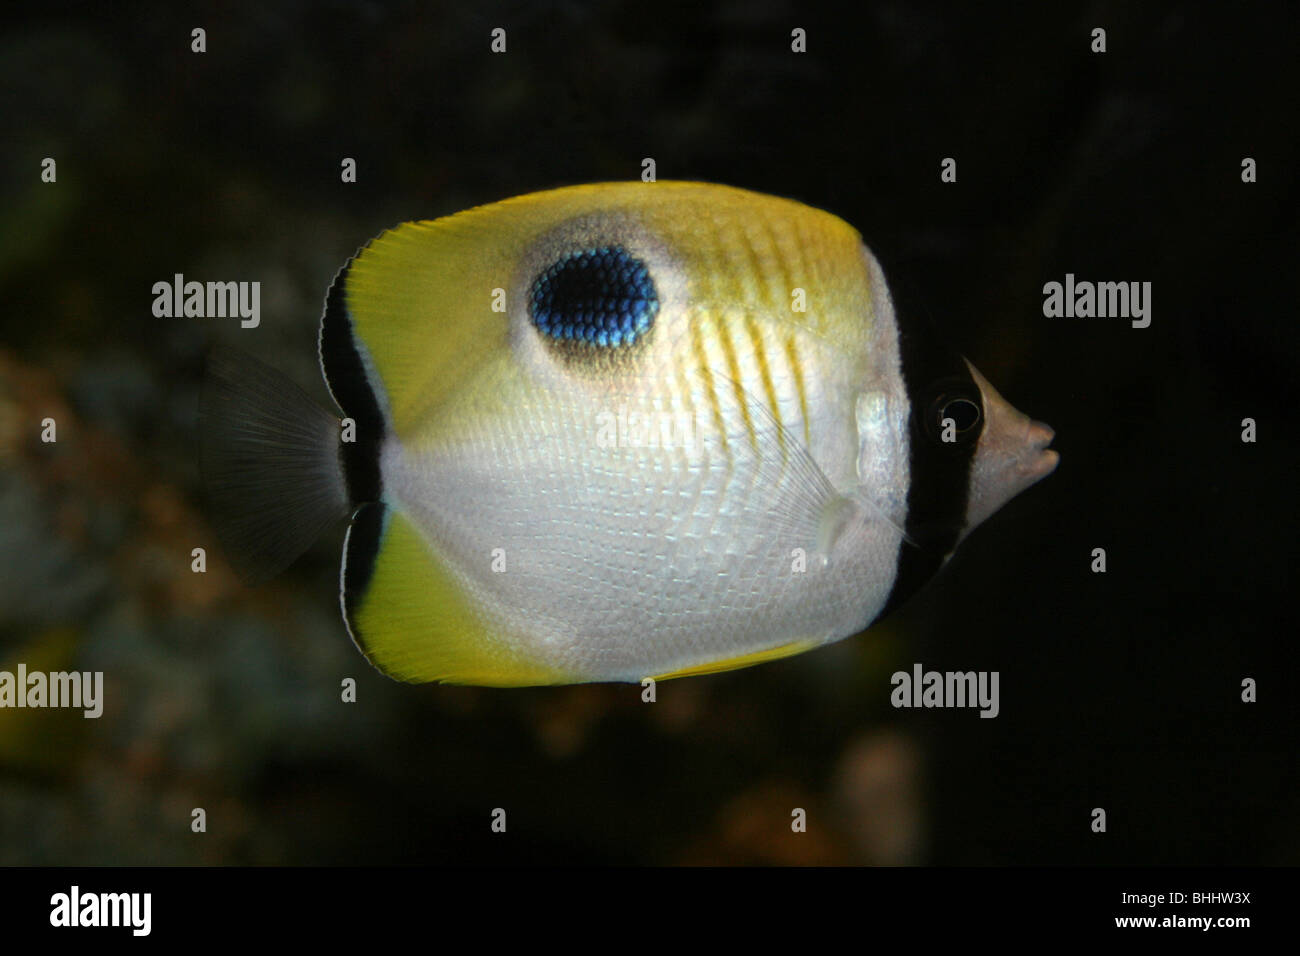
{"x": 270, "y": 462}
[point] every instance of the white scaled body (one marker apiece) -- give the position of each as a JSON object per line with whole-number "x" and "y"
{"x": 720, "y": 498}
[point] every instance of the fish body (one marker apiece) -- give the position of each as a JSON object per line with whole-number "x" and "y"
{"x": 620, "y": 431}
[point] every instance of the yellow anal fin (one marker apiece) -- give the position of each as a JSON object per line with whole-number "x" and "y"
{"x": 410, "y": 617}
{"x": 745, "y": 660}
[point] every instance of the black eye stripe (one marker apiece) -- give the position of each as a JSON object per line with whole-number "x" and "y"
{"x": 604, "y": 297}
{"x": 939, "y": 486}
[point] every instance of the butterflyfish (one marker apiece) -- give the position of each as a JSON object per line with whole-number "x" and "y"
{"x": 611, "y": 432}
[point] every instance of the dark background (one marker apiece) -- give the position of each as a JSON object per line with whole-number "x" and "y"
{"x": 1119, "y": 690}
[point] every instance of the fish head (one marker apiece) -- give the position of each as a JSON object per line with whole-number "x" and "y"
{"x": 1011, "y": 454}
{"x": 970, "y": 451}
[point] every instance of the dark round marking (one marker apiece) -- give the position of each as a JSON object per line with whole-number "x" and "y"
{"x": 601, "y": 297}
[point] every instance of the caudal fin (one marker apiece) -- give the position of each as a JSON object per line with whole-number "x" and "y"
{"x": 269, "y": 456}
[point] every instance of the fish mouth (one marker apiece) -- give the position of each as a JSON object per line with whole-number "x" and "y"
{"x": 1040, "y": 460}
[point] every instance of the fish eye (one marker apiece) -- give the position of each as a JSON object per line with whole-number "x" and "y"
{"x": 964, "y": 413}
{"x": 965, "y": 410}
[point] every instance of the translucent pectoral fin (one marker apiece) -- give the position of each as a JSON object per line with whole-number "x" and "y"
{"x": 806, "y": 505}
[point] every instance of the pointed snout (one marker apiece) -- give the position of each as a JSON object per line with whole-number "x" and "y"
{"x": 1012, "y": 454}
{"x": 1042, "y": 459}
